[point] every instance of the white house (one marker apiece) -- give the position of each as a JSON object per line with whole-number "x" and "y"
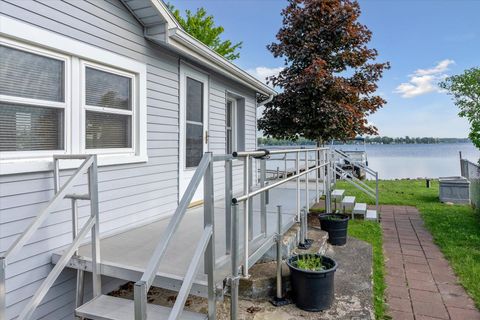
{"x": 115, "y": 78}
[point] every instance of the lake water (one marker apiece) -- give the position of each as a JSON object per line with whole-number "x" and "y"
{"x": 418, "y": 160}
{"x": 394, "y": 161}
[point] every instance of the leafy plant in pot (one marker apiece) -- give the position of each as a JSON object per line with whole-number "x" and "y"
{"x": 312, "y": 281}
{"x": 336, "y": 225}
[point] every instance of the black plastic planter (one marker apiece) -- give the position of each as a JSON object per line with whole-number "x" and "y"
{"x": 313, "y": 290}
{"x": 336, "y": 225}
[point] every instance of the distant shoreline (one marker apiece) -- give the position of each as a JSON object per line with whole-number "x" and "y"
{"x": 368, "y": 141}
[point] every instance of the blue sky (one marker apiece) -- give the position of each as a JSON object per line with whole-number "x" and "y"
{"x": 423, "y": 40}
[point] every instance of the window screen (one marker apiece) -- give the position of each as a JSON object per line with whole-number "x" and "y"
{"x": 194, "y": 129}
{"x": 108, "y": 90}
{"x": 28, "y": 75}
{"x": 39, "y": 126}
{"x": 25, "y": 128}
{"x": 108, "y": 98}
{"x": 105, "y": 130}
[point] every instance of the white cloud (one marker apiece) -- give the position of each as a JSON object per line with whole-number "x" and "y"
{"x": 261, "y": 73}
{"x": 424, "y": 81}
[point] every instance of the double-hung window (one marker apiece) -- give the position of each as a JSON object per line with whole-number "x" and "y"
{"x": 57, "y": 102}
{"x": 33, "y": 100}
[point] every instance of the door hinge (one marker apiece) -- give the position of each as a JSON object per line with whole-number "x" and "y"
{"x": 206, "y": 136}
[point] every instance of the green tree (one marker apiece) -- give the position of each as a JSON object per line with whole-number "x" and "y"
{"x": 201, "y": 26}
{"x": 465, "y": 90}
{"x": 330, "y": 77}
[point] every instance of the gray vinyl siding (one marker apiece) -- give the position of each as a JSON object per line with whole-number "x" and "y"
{"x": 219, "y": 88}
{"x": 129, "y": 194}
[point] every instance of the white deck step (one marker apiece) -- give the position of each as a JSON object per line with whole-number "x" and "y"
{"x": 337, "y": 194}
{"x": 348, "y": 202}
{"x": 111, "y": 308}
{"x": 360, "y": 208}
{"x": 371, "y": 215}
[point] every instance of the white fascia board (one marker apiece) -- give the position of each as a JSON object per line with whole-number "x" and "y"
{"x": 164, "y": 12}
{"x": 185, "y": 43}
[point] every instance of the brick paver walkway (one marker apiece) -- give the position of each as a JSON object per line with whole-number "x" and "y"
{"x": 420, "y": 283}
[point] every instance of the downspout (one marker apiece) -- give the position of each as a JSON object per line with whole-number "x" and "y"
{"x": 264, "y": 102}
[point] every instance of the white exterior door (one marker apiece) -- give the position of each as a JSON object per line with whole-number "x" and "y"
{"x": 193, "y": 125}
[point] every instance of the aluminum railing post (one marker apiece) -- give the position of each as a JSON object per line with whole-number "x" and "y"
{"x": 140, "y": 300}
{"x": 234, "y": 280}
{"x": 209, "y": 220}
{"x": 328, "y": 185}
{"x": 317, "y": 173}
{"x": 307, "y": 195}
{"x": 56, "y": 176}
{"x": 285, "y": 174}
{"x": 228, "y": 205}
{"x": 250, "y": 202}
{"x": 301, "y": 244}
{"x": 304, "y": 242}
{"x": 376, "y": 191}
{"x": 278, "y": 300}
{"x": 3, "y": 290}
{"x": 94, "y": 212}
{"x": 279, "y": 252}
{"x": 263, "y": 197}
{"x": 79, "y": 290}
{"x": 297, "y": 164}
{"x": 246, "y": 221}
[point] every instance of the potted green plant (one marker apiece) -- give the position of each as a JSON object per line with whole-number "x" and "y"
{"x": 312, "y": 281}
{"x": 336, "y": 225}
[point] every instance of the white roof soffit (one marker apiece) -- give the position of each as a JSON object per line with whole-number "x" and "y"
{"x": 183, "y": 43}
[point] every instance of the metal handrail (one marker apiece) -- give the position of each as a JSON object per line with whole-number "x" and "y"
{"x": 20, "y": 242}
{"x": 352, "y": 182}
{"x": 53, "y": 275}
{"x": 190, "y": 275}
{"x": 143, "y": 285}
{"x": 368, "y": 170}
{"x": 261, "y": 153}
{"x": 355, "y": 163}
{"x": 358, "y": 181}
{"x": 89, "y": 164}
{"x": 276, "y": 184}
{"x": 320, "y": 163}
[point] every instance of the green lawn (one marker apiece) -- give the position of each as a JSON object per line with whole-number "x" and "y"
{"x": 455, "y": 228}
{"x": 371, "y": 232}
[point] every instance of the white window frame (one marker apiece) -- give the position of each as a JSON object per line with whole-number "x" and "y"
{"x": 76, "y": 54}
{"x": 65, "y": 106}
{"x": 233, "y": 124}
{"x": 133, "y": 112}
